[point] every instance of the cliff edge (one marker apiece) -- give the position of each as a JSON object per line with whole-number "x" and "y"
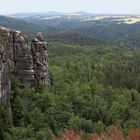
{"x": 29, "y": 63}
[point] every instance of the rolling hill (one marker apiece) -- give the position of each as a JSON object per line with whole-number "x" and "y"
{"x": 122, "y": 30}
{"x": 76, "y": 38}
{"x": 29, "y": 28}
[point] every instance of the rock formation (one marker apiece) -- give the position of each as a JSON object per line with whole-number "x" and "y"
{"x": 40, "y": 59}
{"x": 15, "y": 55}
{"x": 5, "y": 55}
{"x": 23, "y": 61}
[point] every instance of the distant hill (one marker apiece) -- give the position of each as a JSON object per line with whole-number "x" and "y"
{"x": 126, "y": 34}
{"x": 76, "y": 38}
{"x": 29, "y": 28}
{"x": 50, "y": 13}
{"x": 19, "y": 25}
{"x": 122, "y": 30}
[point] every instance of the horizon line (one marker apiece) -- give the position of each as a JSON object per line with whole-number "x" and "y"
{"x": 61, "y": 12}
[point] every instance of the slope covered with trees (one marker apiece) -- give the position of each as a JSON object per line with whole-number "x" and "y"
{"x": 76, "y": 38}
{"x": 109, "y": 29}
{"x": 27, "y": 27}
{"x": 93, "y": 88}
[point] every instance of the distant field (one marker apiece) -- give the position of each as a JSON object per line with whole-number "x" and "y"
{"x": 132, "y": 20}
{"x": 120, "y": 19}
{"x": 127, "y": 20}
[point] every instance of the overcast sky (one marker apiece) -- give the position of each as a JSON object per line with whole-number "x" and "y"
{"x": 94, "y": 6}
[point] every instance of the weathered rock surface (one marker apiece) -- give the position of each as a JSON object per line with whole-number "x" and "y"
{"x": 6, "y": 55}
{"x": 15, "y": 55}
{"x": 40, "y": 59}
{"x": 23, "y": 61}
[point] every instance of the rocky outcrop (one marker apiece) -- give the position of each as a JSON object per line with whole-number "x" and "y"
{"x": 23, "y": 61}
{"x": 5, "y": 82}
{"x": 6, "y": 56}
{"x": 29, "y": 64}
{"x": 40, "y": 59}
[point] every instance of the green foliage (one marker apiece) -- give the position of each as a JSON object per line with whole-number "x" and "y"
{"x": 5, "y": 118}
{"x": 99, "y": 127}
{"x": 76, "y": 38}
{"x": 78, "y": 124}
{"x": 93, "y": 88}
{"x": 30, "y": 28}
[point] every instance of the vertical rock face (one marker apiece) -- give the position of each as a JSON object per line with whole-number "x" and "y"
{"x": 5, "y": 82}
{"x": 40, "y": 59}
{"x": 23, "y": 60}
{"x": 15, "y": 55}
{"x": 6, "y": 55}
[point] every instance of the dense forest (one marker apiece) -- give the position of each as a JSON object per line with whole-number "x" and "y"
{"x": 95, "y": 91}
{"x": 93, "y": 88}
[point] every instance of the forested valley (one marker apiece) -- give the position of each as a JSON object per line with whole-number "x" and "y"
{"x": 94, "y": 93}
{"x": 93, "y": 88}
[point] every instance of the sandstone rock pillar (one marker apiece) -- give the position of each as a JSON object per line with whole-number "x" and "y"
{"x": 23, "y": 60}
{"x": 40, "y": 59}
{"x": 5, "y": 79}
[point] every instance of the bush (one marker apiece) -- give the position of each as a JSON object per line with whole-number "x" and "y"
{"x": 78, "y": 124}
